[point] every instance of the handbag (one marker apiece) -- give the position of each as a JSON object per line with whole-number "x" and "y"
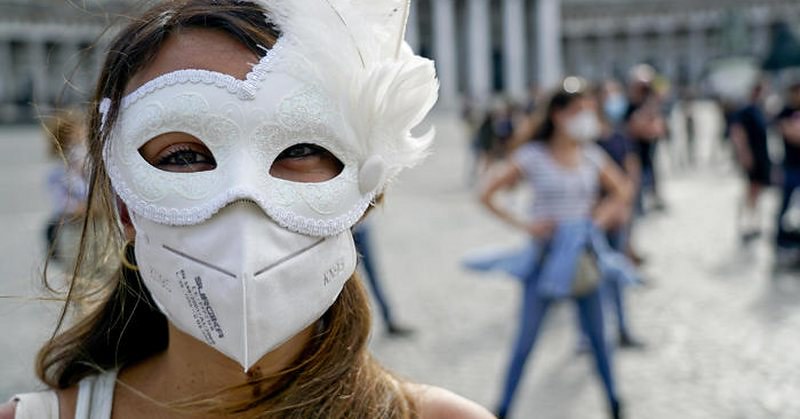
{"x": 587, "y": 274}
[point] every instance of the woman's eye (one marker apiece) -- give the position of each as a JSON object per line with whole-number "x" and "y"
{"x": 300, "y": 151}
{"x": 186, "y": 160}
{"x": 306, "y": 163}
{"x": 178, "y": 152}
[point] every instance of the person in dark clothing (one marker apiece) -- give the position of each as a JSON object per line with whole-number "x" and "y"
{"x": 788, "y": 119}
{"x": 645, "y": 125}
{"x": 749, "y": 136}
{"x": 491, "y": 137}
{"x": 363, "y": 242}
{"x": 619, "y": 148}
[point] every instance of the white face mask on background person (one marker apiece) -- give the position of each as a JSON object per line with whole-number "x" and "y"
{"x": 615, "y": 107}
{"x": 584, "y": 127}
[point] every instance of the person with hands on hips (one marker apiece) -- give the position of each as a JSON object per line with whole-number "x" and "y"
{"x": 557, "y": 158}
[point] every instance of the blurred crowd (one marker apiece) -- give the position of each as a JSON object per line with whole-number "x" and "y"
{"x": 761, "y": 136}
{"x": 587, "y": 153}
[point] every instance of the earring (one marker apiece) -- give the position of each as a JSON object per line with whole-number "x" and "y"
{"x": 123, "y": 256}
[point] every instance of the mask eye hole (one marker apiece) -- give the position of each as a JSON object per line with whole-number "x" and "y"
{"x": 306, "y": 163}
{"x": 178, "y": 152}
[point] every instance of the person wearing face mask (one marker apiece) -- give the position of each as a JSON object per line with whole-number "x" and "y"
{"x": 558, "y": 159}
{"x": 619, "y": 148}
{"x": 236, "y": 144}
{"x": 645, "y": 125}
{"x": 615, "y": 104}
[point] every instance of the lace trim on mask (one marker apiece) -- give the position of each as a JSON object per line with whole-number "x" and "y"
{"x": 228, "y": 82}
{"x": 243, "y": 89}
{"x": 285, "y": 218}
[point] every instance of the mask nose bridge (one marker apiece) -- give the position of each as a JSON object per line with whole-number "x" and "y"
{"x": 246, "y": 178}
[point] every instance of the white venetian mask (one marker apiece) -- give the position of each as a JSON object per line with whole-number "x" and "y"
{"x": 245, "y": 132}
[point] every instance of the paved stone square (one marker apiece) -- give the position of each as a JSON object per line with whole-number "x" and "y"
{"x": 721, "y": 329}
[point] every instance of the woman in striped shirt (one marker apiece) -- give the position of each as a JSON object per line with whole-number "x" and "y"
{"x": 566, "y": 171}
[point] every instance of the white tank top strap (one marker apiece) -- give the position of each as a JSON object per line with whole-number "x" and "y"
{"x": 41, "y": 405}
{"x": 96, "y": 396}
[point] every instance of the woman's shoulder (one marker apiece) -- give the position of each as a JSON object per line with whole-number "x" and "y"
{"x": 529, "y": 153}
{"x": 595, "y": 154}
{"x": 7, "y": 410}
{"x": 436, "y": 403}
{"x": 55, "y": 404}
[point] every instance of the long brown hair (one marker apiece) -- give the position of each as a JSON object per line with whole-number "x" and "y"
{"x": 63, "y": 129}
{"x": 334, "y": 377}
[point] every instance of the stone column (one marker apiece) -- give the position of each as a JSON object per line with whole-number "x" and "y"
{"x": 634, "y": 44}
{"x": 697, "y": 49}
{"x": 514, "y": 48}
{"x": 759, "y": 19}
{"x": 76, "y": 68}
{"x": 412, "y": 27}
{"x": 91, "y": 60}
{"x": 579, "y": 57}
{"x": 37, "y": 65}
{"x": 7, "y": 85}
{"x": 605, "y": 54}
{"x": 666, "y": 47}
{"x": 550, "y": 54}
{"x": 533, "y": 44}
{"x": 444, "y": 51}
{"x": 479, "y": 51}
{"x": 6, "y": 72}
{"x": 568, "y": 63}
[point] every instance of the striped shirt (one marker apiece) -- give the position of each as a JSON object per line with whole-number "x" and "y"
{"x": 560, "y": 193}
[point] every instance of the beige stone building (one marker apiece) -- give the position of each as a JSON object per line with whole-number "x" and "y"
{"x": 49, "y": 52}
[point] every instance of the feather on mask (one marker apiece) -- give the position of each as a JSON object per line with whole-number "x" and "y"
{"x": 355, "y": 50}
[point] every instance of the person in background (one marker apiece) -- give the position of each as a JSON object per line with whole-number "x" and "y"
{"x": 364, "y": 247}
{"x": 748, "y": 132}
{"x": 566, "y": 170}
{"x": 788, "y": 235}
{"x": 619, "y": 148}
{"x": 491, "y": 139}
{"x": 645, "y": 125}
{"x": 686, "y": 103}
{"x": 66, "y": 184}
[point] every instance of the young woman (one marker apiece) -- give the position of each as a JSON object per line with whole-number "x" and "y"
{"x": 566, "y": 171}
{"x": 237, "y": 150}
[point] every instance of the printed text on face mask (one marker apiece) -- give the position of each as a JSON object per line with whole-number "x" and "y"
{"x": 333, "y": 272}
{"x": 202, "y": 312}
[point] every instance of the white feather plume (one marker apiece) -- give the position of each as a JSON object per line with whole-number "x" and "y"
{"x": 355, "y": 50}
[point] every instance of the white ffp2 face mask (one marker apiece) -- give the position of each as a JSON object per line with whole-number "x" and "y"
{"x": 239, "y": 282}
{"x": 584, "y": 126}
